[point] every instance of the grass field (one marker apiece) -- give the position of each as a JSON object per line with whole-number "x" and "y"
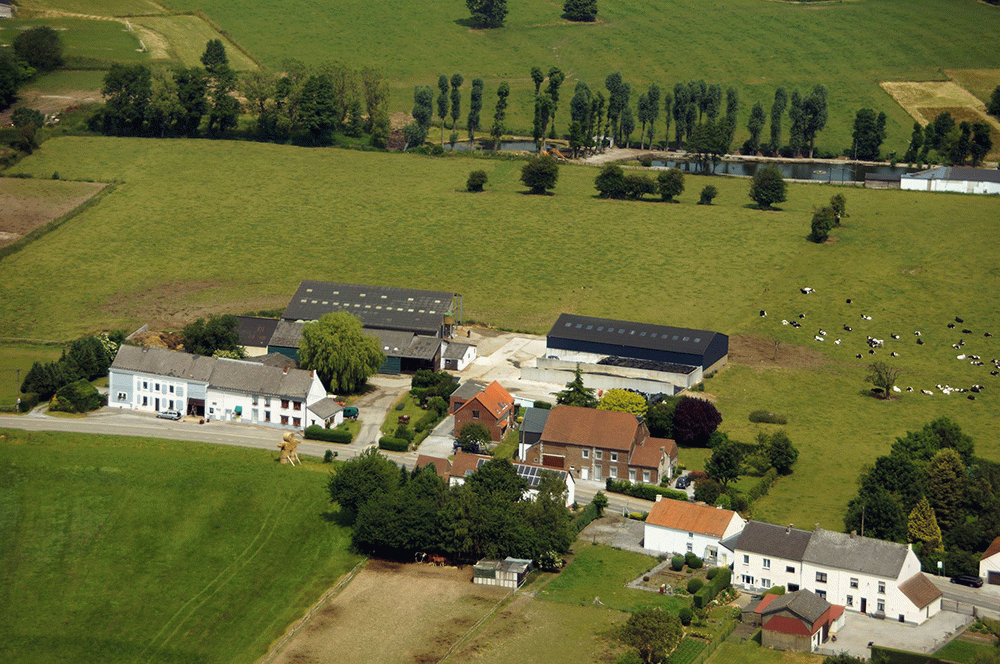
{"x": 912, "y": 261}
{"x": 752, "y": 653}
{"x": 751, "y": 44}
{"x": 15, "y": 360}
{"x": 186, "y": 37}
{"x": 66, "y": 80}
{"x": 106, "y": 41}
{"x": 963, "y": 651}
{"x": 124, "y": 549}
{"x": 93, "y": 7}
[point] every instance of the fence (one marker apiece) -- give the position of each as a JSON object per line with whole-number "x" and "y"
{"x": 717, "y": 638}
{"x": 959, "y": 607}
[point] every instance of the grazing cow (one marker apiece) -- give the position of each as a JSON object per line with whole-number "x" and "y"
{"x": 802, "y": 315}
{"x": 893, "y": 354}
{"x": 871, "y": 352}
{"x": 966, "y": 331}
{"x": 971, "y": 397}
{"x": 916, "y": 333}
{"x": 960, "y": 357}
{"x": 849, "y": 300}
{"x": 909, "y": 389}
{"x": 762, "y": 313}
{"x": 858, "y": 356}
{"x": 995, "y": 373}
{"x": 821, "y": 332}
{"x": 987, "y": 335}
{"x": 974, "y": 357}
{"x": 796, "y": 325}
{"x": 976, "y": 388}
{"x": 958, "y": 320}
{"x": 976, "y": 364}
{"x": 894, "y": 336}
{"x": 895, "y": 388}
{"x": 784, "y": 322}
{"x": 956, "y": 346}
{"x": 864, "y": 317}
{"x": 819, "y": 338}
{"x": 806, "y": 291}
{"x": 920, "y": 342}
{"x": 951, "y": 326}
{"x": 927, "y": 392}
{"x": 848, "y": 328}
{"x": 837, "y": 342}
{"x": 875, "y": 343}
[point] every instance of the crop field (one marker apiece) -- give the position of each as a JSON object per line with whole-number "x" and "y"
{"x": 26, "y": 205}
{"x": 751, "y": 44}
{"x": 910, "y": 260}
{"x": 123, "y": 549}
{"x": 105, "y": 41}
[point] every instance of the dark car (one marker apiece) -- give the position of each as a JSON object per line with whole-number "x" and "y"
{"x": 683, "y": 482}
{"x": 169, "y": 415}
{"x": 971, "y": 581}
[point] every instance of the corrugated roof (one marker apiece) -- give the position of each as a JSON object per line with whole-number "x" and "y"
{"x": 633, "y": 335}
{"x": 589, "y": 427}
{"x": 456, "y": 351}
{"x": 377, "y": 306}
{"x": 255, "y": 331}
{"x": 857, "y": 554}
{"x": 919, "y": 590}
{"x": 768, "y": 539}
{"x": 326, "y": 408}
{"x": 534, "y": 420}
{"x": 221, "y": 373}
{"x": 689, "y": 517}
{"x": 956, "y": 173}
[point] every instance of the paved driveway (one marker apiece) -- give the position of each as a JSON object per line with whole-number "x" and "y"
{"x": 859, "y": 630}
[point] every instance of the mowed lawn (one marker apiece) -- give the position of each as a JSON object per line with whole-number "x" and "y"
{"x": 186, "y": 234}
{"x": 750, "y": 44}
{"x": 108, "y": 41}
{"x": 144, "y": 550}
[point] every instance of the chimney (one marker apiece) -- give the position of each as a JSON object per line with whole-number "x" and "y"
{"x": 659, "y": 497}
{"x": 854, "y": 534}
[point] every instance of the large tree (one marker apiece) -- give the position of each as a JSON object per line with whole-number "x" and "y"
{"x": 945, "y": 486}
{"x": 475, "y": 107}
{"x": 487, "y": 13}
{"x": 127, "y": 89}
{"x": 695, "y": 420}
{"x": 442, "y": 102}
{"x": 993, "y": 107}
{"x": 922, "y": 526}
{"x": 936, "y": 435}
{"x": 41, "y": 47}
{"x": 13, "y": 72}
{"x": 623, "y": 401}
{"x": 214, "y": 59}
{"x": 877, "y": 514}
{"x": 981, "y": 142}
{"x": 777, "y": 110}
{"x": 342, "y": 355}
{"x": 364, "y": 477}
{"x": 755, "y": 125}
{"x": 540, "y": 174}
{"x": 217, "y": 333}
{"x": 723, "y": 465}
{"x": 576, "y": 394}
{"x": 780, "y": 452}
{"x": 580, "y": 10}
{"x": 653, "y": 632}
{"x": 881, "y": 374}
{"x": 500, "y": 114}
{"x": 767, "y": 187}
{"x": 192, "y": 93}
{"x": 814, "y": 115}
{"x": 670, "y": 183}
{"x": 660, "y": 417}
{"x": 868, "y": 135}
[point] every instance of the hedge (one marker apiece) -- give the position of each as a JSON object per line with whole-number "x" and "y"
{"x": 77, "y": 397}
{"x": 903, "y": 657}
{"x": 760, "y": 489}
{"x": 643, "y": 491}
{"x": 712, "y": 588}
{"x": 694, "y": 585}
{"x": 316, "y": 432}
{"x": 586, "y": 515}
{"x": 392, "y": 444}
{"x": 28, "y": 401}
{"x": 767, "y": 417}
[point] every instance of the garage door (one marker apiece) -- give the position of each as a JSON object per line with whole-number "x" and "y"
{"x": 993, "y": 578}
{"x": 553, "y": 461}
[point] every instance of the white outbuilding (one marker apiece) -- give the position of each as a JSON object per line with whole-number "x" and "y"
{"x": 680, "y": 527}
{"x": 956, "y": 179}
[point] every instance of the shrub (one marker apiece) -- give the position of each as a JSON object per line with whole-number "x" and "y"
{"x": 25, "y": 117}
{"x": 677, "y": 563}
{"x": 643, "y": 491}
{"x": 708, "y": 194}
{"x": 426, "y": 422}
{"x": 404, "y": 432}
{"x": 767, "y": 187}
{"x": 77, "y": 397}
{"x": 437, "y": 150}
{"x": 28, "y": 401}
{"x": 400, "y": 406}
{"x": 476, "y": 181}
{"x": 610, "y": 182}
{"x": 393, "y": 444}
{"x": 694, "y": 585}
{"x": 775, "y": 590}
{"x": 693, "y": 561}
{"x": 316, "y": 432}
{"x": 711, "y": 574}
{"x": 589, "y": 513}
{"x": 670, "y": 183}
{"x": 439, "y": 405}
{"x": 686, "y": 615}
{"x": 329, "y": 456}
{"x": 767, "y": 417}
{"x": 637, "y": 185}
{"x": 823, "y": 220}
{"x": 707, "y": 491}
{"x": 544, "y": 405}
{"x": 711, "y": 589}
{"x": 540, "y": 174}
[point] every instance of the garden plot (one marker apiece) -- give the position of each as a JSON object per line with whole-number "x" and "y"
{"x": 27, "y": 204}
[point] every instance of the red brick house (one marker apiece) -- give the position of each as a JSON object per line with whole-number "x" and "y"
{"x": 492, "y": 406}
{"x": 799, "y": 621}
{"x": 596, "y": 444}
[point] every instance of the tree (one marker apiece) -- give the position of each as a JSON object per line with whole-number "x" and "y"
{"x": 814, "y": 113}
{"x": 780, "y": 452}
{"x": 87, "y": 358}
{"x": 877, "y": 514}
{"x": 496, "y": 131}
{"x": 361, "y": 479}
{"x": 556, "y": 78}
{"x": 724, "y": 464}
{"x": 767, "y": 187}
{"x": 217, "y": 333}
{"x": 961, "y": 147}
{"x": 540, "y": 174}
{"x": 475, "y": 107}
{"x": 40, "y": 47}
{"x": 610, "y": 182}
{"x": 777, "y": 109}
{"x": 580, "y": 10}
{"x": 883, "y": 376}
{"x": 623, "y": 401}
{"x": 935, "y": 436}
{"x": 654, "y": 634}
{"x": 755, "y": 125}
{"x": 487, "y": 13}
{"x": 576, "y": 394}
{"x": 916, "y": 143}
{"x": 922, "y": 526}
{"x": 695, "y": 420}
{"x": 225, "y": 111}
{"x": 652, "y": 112}
{"x": 946, "y": 486}
{"x": 671, "y": 183}
{"x": 823, "y": 220}
{"x": 473, "y": 437}
{"x": 708, "y": 195}
{"x": 13, "y": 72}
{"x": 838, "y": 203}
{"x": 476, "y": 181}
{"x": 342, "y": 355}
{"x": 442, "y": 102}
{"x": 164, "y": 109}
{"x": 668, "y": 101}
{"x": 709, "y": 140}
{"x": 214, "y": 59}
{"x": 317, "y": 110}
{"x": 797, "y": 131}
{"x": 627, "y": 126}
{"x": 869, "y": 132}
{"x": 27, "y": 117}
{"x": 127, "y": 90}
{"x": 192, "y": 93}
{"x": 456, "y": 98}
{"x": 732, "y": 110}
{"x": 993, "y": 107}
{"x": 711, "y": 103}
{"x": 423, "y": 110}
{"x": 981, "y": 142}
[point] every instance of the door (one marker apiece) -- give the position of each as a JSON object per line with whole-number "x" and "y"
{"x": 864, "y": 605}
{"x": 157, "y": 404}
{"x": 585, "y": 474}
{"x": 993, "y": 578}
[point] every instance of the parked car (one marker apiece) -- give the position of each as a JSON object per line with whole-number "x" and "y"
{"x": 350, "y": 413}
{"x": 683, "y": 482}
{"x": 971, "y": 581}
{"x": 169, "y": 415}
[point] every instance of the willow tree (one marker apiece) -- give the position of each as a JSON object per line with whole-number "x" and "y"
{"x": 337, "y": 348}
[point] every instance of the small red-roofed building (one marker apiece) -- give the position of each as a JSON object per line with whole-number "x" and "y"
{"x": 680, "y": 527}
{"x": 492, "y": 406}
{"x": 441, "y": 466}
{"x": 799, "y": 621}
{"x": 989, "y": 564}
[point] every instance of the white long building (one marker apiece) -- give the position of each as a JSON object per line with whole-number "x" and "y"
{"x": 956, "y": 179}
{"x": 156, "y": 379}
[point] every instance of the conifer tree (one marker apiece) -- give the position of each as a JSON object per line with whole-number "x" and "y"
{"x": 923, "y": 527}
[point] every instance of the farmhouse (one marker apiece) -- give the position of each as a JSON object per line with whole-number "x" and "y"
{"x": 325, "y": 413}
{"x": 879, "y": 578}
{"x": 957, "y": 179}
{"x": 255, "y": 333}
{"x": 596, "y": 444}
{"x": 627, "y": 355}
{"x": 465, "y": 464}
{"x": 679, "y": 527}
{"x": 799, "y": 621}
{"x": 156, "y": 379}
{"x": 492, "y": 406}
{"x": 989, "y": 564}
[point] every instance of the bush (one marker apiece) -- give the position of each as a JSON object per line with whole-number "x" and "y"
{"x": 712, "y": 573}
{"x": 426, "y": 422}
{"x": 707, "y": 491}
{"x": 393, "y": 444}
{"x": 762, "y": 487}
{"x": 28, "y": 401}
{"x": 540, "y": 174}
{"x": 693, "y": 561}
{"x": 400, "y": 406}
{"x": 476, "y": 181}
{"x": 686, "y": 615}
{"x": 767, "y": 417}
{"x": 329, "y": 456}
{"x": 403, "y": 432}
{"x": 694, "y": 585}
{"x": 775, "y": 590}
{"x": 438, "y": 405}
{"x": 767, "y": 187}
{"x": 670, "y": 183}
{"x": 24, "y": 117}
{"x": 643, "y": 491}
{"x": 677, "y": 563}
{"x": 588, "y": 514}
{"x": 316, "y": 432}
{"x": 437, "y": 150}
{"x": 610, "y": 182}
{"x": 637, "y": 185}
{"x": 823, "y": 220}
{"x": 544, "y": 405}
{"x": 711, "y": 589}
{"x": 77, "y": 397}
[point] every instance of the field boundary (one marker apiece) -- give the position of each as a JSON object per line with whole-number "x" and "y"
{"x": 297, "y": 626}
{"x": 460, "y": 640}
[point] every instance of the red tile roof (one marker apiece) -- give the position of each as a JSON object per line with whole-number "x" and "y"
{"x": 647, "y": 454}
{"x": 919, "y": 590}
{"x": 787, "y": 625}
{"x": 690, "y": 517}
{"x": 589, "y": 427}
{"x": 465, "y": 463}
{"x": 494, "y": 399}
{"x": 993, "y": 549}
{"x": 441, "y": 466}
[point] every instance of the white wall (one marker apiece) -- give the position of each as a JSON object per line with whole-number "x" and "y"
{"x": 955, "y": 186}
{"x": 671, "y": 540}
{"x": 991, "y": 564}
{"x": 145, "y": 390}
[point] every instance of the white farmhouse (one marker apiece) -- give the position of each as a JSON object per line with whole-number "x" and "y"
{"x": 956, "y": 179}
{"x": 989, "y": 564}
{"x": 871, "y": 576}
{"x": 156, "y": 379}
{"x": 679, "y": 527}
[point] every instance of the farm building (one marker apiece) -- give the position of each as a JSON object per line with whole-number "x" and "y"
{"x": 626, "y": 355}
{"x": 457, "y": 356}
{"x": 492, "y": 406}
{"x": 799, "y": 621}
{"x": 465, "y": 464}
{"x": 989, "y": 565}
{"x": 507, "y": 573}
{"x": 956, "y": 179}
{"x": 6, "y": 11}
{"x": 881, "y": 181}
{"x": 530, "y": 431}
{"x": 152, "y": 380}
{"x": 679, "y": 527}
{"x": 325, "y": 413}
{"x": 255, "y": 333}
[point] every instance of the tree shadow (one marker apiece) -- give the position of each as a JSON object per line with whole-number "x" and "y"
{"x": 528, "y": 192}
{"x": 337, "y": 517}
{"x": 754, "y": 206}
{"x": 467, "y": 22}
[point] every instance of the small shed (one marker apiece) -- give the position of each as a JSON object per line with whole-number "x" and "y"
{"x": 325, "y": 413}
{"x": 508, "y": 573}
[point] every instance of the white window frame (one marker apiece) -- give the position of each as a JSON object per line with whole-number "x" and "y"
{"x": 880, "y": 605}
{"x": 122, "y": 396}
{"x": 614, "y": 457}
{"x": 599, "y": 454}
{"x": 850, "y": 600}
{"x": 613, "y": 472}
{"x": 854, "y": 583}
{"x": 585, "y": 454}
{"x": 765, "y": 583}
{"x": 746, "y": 559}
{"x": 766, "y": 563}
{"x": 645, "y": 476}
{"x": 631, "y": 475}
{"x": 881, "y": 587}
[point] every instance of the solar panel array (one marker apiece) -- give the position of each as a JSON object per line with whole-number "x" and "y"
{"x": 531, "y": 474}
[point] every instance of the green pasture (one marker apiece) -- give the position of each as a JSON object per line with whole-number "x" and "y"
{"x": 963, "y": 651}
{"x": 753, "y": 45}
{"x": 67, "y": 80}
{"x": 187, "y": 35}
{"x": 89, "y": 40}
{"x": 93, "y": 7}
{"x": 910, "y": 260}
{"x": 410, "y": 407}
{"x": 124, "y": 549}
{"x": 15, "y": 360}
{"x": 750, "y": 652}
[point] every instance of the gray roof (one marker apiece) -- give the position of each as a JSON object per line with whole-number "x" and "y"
{"x": 534, "y": 420}
{"x": 392, "y": 342}
{"x": 255, "y": 331}
{"x": 287, "y": 334}
{"x": 326, "y": 408}
{"x": 279, "y": 360}
{"x": 956, "y": 173}
{"x": 377, "y": 306}
{"x": 220, "y": 373}
{"x": 768, "y": 539}
{"x": 855, "y": 553}
{"x": 633, "y": 335}
{"x": 456, "y": 351}
{"x": 468, "y": 389}
{"x": 805, "y": 604}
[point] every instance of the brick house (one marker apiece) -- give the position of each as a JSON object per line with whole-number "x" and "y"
{"x": 799, "y": 621}
{"x": 596, "y": 444}
{"x": 492, "y": 406}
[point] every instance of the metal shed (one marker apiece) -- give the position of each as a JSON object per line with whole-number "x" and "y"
{"x": 508, "y": 573}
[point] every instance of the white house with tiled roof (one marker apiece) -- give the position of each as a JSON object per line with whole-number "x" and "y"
{"x": 153, "y": 380}
{"x": 676, "y": 526}
{"x": 989, "y": 564}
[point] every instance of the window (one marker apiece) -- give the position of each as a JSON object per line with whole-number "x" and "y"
{"x": 746, "y": 559}
{"x": 156, "y": 387}
{"x": 645, "y": 476}
{"x": 850, "y": 600}
{"x": 690, "y": 547}
{"x": 690, "y": 535}
{"x": 880, "y": 605}
{"x": 145, "y": 401}
{"x": 284, "y": 419}
{"x": 171, "y": 404}
{"x": 297, "y": 422}
{"x": 767, "y": 563}
{"x": 631, "y": 475}
{"x": 267, "y": 416}
{"x": 475, "y": 414}
{"x": 254, "y": 402}
{"x": 145, "y": 385}
{"x": 766, "y": 583}
{"x": 747, "y": 580}
{"x": 598, "y": 454}
{"x": 854, "y": 582}
{"x": 790, "y": 569}
{"x": 821, "y": 594}
{"x": 614, "y": 472}
{"x": 284, "y": 403}
{"x": 171, "y": 389}
{"x": 820, "y": 577}
{"x": 586, "y": 454}
{"x": 297, "y": 405}
{"x": 792, "y": 587}
{"x": 122, "y": 396}
{"x": 614, "y": 456}
{"x": 881, "y": 587}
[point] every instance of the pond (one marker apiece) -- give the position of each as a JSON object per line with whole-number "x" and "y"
{"x": 505, "y": 146}
{"x": 803, "y": 170}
